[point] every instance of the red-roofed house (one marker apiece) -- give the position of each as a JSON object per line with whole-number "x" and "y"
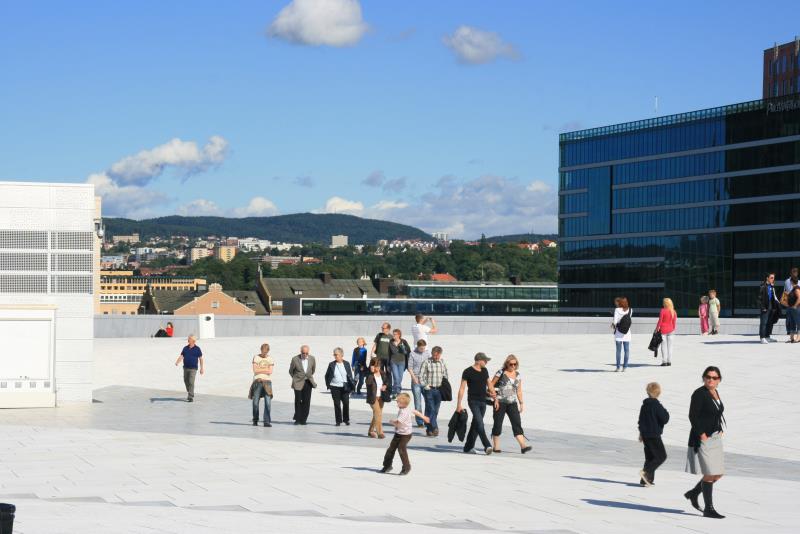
{"x": 446, "y": 277}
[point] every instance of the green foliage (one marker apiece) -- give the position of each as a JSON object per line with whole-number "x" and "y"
{"x": 240, "y": 273}
{"x": 464, "y": 262}
{"x": 294, "y": 228}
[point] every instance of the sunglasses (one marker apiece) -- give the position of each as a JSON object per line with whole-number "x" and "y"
{"x": 512, "y": 364}
{"x": 709, "y": 377}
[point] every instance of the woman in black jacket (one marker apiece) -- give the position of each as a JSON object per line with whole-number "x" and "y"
{"x": 706, "y": 454}
{"x": 379, "y": 390}
{"x": 339, "y": 379}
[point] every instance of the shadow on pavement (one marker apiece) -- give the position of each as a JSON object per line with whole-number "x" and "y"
{"x": 607, "y": 481}
{"x": 632, "y": 506}
{"x": 164, "y": 399}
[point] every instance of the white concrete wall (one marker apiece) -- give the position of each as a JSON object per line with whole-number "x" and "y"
{"x": 109, "y": 326}
{"x": 64, "y": 214}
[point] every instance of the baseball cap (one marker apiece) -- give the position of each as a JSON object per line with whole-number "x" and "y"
{"x": 482, "y": 356}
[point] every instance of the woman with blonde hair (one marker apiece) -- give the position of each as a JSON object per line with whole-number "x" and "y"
{"x": 508, "y": 386}
{"x": 667, "y": 319}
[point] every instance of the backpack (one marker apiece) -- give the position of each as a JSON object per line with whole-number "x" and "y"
{"x": 624, "y": 324}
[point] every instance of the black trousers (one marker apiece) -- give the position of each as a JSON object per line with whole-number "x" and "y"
{"x": 512, "y": 410}
{"x": 654, "y": 455}
{"x": 302, "y": 402}
{"x": 341, "y": 404}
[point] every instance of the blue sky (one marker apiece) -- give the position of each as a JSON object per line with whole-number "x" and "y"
{"x": 443, "y": 114}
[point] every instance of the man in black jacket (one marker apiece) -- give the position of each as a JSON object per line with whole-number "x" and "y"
{"x": 768, "y": 305}
{"x": 652, "y": 418}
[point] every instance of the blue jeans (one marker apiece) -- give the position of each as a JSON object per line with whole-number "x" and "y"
{"x": 627, "y": 346}
{"x": 259, "y": 387}
{"x": 433, "y": 399}
{"x": 397, "y": 377}
{"x": 358, "y": 377}
{"x": 792, "y": 320}
{"x": 476, "y": 428}
{"x": 417, "y": 392}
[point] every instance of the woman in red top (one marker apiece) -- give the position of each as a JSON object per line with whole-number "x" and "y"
{"x": 666, "y": 325}
{"x": 169, "y": 329}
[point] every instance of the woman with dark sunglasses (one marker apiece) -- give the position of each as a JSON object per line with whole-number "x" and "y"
{"x": 706, "y": 454}
{"x": 508, "y": 385}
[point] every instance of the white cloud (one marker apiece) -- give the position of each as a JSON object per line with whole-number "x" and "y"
{"x": 257, "y": 207}
{"x": 320, "y": 23}
{"x": 387, "y": 205}
{"x": 199, "y": 207}
{"x": 126, "y": 200}
{"x": 473, "y": 46}
{"x": 342, "y": 205}
{"x": 493, "y": 205}
{"x": 186, "y": 156}
{"x": 538, "y": 186}
{"x": 122, "y": 185}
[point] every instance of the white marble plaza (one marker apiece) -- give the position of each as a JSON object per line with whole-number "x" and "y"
{"x": 140, "y": 459}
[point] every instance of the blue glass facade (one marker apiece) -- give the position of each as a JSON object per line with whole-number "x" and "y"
{"x": 677, "y": 205}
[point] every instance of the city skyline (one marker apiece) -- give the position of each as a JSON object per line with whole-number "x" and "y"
{"x": 444, "y": 116}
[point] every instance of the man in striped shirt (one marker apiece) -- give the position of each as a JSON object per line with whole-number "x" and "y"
{"x": 431, "y": 374}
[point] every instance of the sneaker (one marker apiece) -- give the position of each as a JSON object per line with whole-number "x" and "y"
{"x": 488, "y": 450}
{"x": 255, "y": 423}
{"x": 435, "y": 432}
{"x": 470, "y": 451}
{"x": 772, "y": 340}
{"x": 385, "y": 469}
{"x": 645, "y": 478}
{"x": 764, "y": 341}
{"x": 189, "y": 399}
{"x": 526, "y": 449}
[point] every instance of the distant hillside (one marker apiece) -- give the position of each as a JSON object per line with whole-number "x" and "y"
{"x": 294, "y": 228}
{"x": 516, "y": 238}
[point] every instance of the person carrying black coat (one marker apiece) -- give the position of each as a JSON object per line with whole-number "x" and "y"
{"x": 652, "y": 418}
{"x": 339, "y": 379}
{"x": 457, "y": 426}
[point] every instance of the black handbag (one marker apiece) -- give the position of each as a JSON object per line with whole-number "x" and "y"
{"x": 655, "y": 341}
{"x": 445, "y": 390}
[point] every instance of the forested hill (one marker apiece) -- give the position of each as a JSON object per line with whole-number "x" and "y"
{"x": 294, "y": 228}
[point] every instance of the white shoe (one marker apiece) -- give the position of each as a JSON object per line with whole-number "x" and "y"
{"x": 643, "y": 476}
{"x": 772, "y": 340}
{"x": 764, "y": 341}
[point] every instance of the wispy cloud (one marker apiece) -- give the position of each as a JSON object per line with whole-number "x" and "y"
{"x": 334, "y": 23}
{"x": 303, "y": 181}
{"x": 123, "y": 185}
{"x": 374, "y": 179}
{"x": 473, "y": 46}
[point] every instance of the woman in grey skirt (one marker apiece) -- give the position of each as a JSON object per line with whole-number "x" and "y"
{"x": 705, "y": 453}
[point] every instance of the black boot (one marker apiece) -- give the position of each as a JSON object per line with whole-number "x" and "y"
{"x": 693, "y": 495}
{"x": 708, "y": 488}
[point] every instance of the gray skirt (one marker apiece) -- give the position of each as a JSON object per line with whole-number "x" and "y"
{"x": 709, "y": 458}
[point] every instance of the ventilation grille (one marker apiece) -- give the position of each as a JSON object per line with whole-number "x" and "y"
{"x": 23, "y": 239}
{"x": 71, "y": 262}
{"x": 73, "y": 240}
{"x": 23, "y": 283}
{"x": 23, "y": 261}
{"x": 70, "y": 283}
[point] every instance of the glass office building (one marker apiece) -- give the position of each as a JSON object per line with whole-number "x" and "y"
{"x": 410, "y": 306}
{"x": 674, "y": 206}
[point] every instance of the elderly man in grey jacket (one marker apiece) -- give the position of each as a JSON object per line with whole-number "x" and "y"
{"x": 302, "y": 370}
